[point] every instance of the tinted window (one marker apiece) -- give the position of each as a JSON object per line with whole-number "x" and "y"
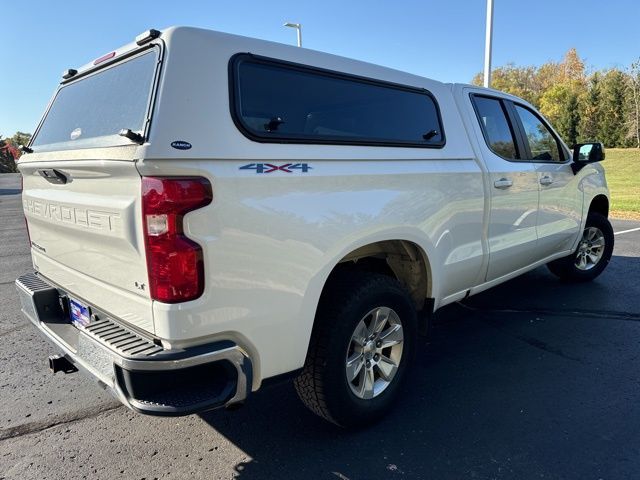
{"x": 100, "y": 105}
{"x": 496, "y": 127}
{"x": 542, "y": 143}
{"x": 274, "y": 101}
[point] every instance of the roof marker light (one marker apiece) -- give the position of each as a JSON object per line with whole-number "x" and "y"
{"x": 70, "y": 72}
{"x": 104, "y": 58}
{"x": 147, "y": 36}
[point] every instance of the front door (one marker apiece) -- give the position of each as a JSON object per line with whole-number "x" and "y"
{"x": 560, "y": 207}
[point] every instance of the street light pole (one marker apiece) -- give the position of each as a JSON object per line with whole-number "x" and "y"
{"x": 487, "y": 44}
{"x": 298, "y": 27}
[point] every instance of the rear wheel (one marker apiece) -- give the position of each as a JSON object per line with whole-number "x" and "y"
{"x": 592, "y": 255}
{"x": 363, "y": 339}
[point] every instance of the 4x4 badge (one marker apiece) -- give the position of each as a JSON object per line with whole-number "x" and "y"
{"x": 269, "y": 167}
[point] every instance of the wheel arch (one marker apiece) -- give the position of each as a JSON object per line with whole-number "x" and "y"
{"x": 403, "y": 259}
{"x": 372, "y": 253}
{"x": 600, "y": 204}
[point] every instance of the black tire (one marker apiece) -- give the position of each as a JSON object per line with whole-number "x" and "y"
{"x": 323, "y": 386}
{"x": 566, "y": 268}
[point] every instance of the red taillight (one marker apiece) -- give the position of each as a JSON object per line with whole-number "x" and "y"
{"x": 174, "y": 262}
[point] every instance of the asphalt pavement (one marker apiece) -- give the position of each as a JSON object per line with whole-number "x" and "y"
{"x": 532, "y": 379}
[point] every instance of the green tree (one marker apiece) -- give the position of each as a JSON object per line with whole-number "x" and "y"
{"x": 559, "y": 104}
{"x": 590, "y": 110}
{"x": 553, "y": 101}
{"x": 519, "y": 81}
{"x": 569, "y": 121}
{"x": 613, "y": 109}
{"x": 633, "y": 121}
{"x": 20, "y": 138}
{"x": 563, "y": 84}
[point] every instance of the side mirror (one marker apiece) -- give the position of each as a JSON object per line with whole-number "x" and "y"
{"x": 588, "y": 152}
{"x": 584, "y": 153}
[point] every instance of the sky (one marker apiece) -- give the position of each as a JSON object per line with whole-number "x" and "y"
{"x": 442, "y": 39}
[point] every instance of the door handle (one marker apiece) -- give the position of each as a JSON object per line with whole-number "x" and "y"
{"x": 502, "y": 183}
{"x": 546, "y": 180}
{"x": 52, "y": 175}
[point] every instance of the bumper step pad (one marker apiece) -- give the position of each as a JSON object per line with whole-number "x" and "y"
{"x": 139, "y": 372}
{"x": 122, "y": 340}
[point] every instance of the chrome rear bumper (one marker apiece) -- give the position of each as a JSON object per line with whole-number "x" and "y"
{"x": 139, "y": 372}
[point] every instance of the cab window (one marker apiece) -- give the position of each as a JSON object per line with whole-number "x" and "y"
{"x": 543, "y": 145}
{"x": 496, "y": 127}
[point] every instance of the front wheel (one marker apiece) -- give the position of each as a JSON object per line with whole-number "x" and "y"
{"x": 363, "y": 339}
{"x": 592, "y": 255}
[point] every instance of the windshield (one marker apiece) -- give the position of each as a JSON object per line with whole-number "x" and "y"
{"x": 91, "y": 111}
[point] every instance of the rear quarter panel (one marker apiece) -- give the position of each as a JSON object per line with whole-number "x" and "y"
{"x": 271, "y": 240}
{"x": 270, "y": 243}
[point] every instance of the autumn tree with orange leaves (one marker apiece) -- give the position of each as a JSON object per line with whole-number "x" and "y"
{"x": 9, "y": 151}
{"x": 582, "y": 106}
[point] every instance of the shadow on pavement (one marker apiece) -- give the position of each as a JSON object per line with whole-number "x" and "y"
{"x": 494, "y": 394}
{"x": 10, "y": 191}
{"x": 616, "y": 290}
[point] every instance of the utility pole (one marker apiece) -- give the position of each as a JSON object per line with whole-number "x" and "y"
{"x": 298, "y": 27}
{"x": 487, "y": 44}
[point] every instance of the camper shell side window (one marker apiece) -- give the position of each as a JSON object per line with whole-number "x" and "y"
{"x": 282, "y": 102}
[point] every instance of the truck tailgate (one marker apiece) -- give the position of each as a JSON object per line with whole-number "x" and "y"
{"x": 84, "y": 220}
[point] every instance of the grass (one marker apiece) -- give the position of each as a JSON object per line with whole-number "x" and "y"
{"x": 622, "y": 166}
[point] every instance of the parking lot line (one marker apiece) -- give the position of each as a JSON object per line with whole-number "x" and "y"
{"x": 627, "y": 231}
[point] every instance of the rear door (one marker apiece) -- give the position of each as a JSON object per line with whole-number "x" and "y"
{"x": 560, "y": 210}
{"x": 513, "y": 184}
{"x": 82, "y": 191}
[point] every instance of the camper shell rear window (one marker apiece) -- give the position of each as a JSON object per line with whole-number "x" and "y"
{"x": 90, "y": 111}
{"x": 283, "y": 102}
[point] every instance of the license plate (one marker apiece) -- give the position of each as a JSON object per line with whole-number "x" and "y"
{"x": 79, "y": 313}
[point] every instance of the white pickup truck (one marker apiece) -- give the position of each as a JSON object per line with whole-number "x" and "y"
{"x": 208, "y": 212}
